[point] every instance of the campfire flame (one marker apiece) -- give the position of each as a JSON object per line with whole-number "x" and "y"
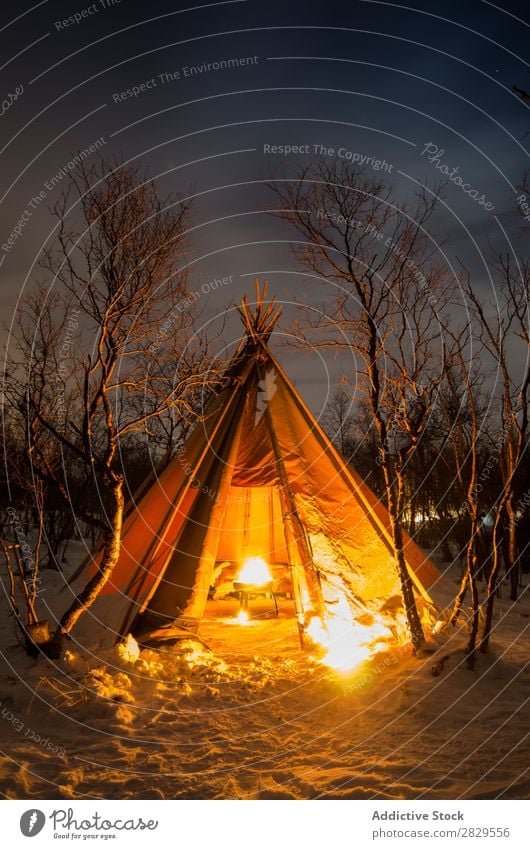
{"x": 347, "y": 642}
{"x": 255, "y": 571}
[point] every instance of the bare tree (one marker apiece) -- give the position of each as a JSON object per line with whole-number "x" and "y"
{"x": 460, "y": 406}
{"x": 89, "y": 343}
{"x": 384, "y": 289}
{"x": 188, "y": 357}
{"x": 499, "y": 332}
{"x": 337, "y": 419}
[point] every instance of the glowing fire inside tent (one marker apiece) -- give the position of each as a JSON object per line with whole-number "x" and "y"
{"x": 254, "y": 577}
{"x": 255, "y": 572}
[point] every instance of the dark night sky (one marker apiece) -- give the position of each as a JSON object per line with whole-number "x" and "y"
{"x": 376, "y": 78}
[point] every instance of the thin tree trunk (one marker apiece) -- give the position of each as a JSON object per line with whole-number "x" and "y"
{"x": 112, "y": 544}
{"x": 505, "y": 550}
{"x": 459, "y": 600}
{"x": 65, "y": 548}
{"x": 30, "y": 607}
{"x": 407, "y": 589}
{"x": 472, "y": 642}
{"x": 12, "y": 587}
{"x": 39, "y": 491}
{"x": 512, "y": 564}
{"x": 412, "y": 519}
{"x": 492, "y": 584}
{"x": 469, "y": 579}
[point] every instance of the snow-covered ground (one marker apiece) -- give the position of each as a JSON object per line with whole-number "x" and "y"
{"x": 253, "y": 716}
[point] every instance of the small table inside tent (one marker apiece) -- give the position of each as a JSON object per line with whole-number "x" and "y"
{"x": 247, "y": 591}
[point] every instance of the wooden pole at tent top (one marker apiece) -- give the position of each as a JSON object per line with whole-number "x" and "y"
{"x": 260, "y": 317}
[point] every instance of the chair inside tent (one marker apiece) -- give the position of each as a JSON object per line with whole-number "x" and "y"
{"x": 257, "y": 517}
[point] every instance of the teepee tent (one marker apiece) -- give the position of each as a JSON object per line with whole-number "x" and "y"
{"x": 257, "y": 478}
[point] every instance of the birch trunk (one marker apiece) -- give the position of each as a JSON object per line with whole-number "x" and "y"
{"x": 111, "y": 549}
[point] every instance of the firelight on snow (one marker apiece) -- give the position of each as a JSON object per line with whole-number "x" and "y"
{"x": 255, "y": 571}
{"x": 347, "y": 642}
{"x": 243, "y": 617}
{"x": 129, "y": 650}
